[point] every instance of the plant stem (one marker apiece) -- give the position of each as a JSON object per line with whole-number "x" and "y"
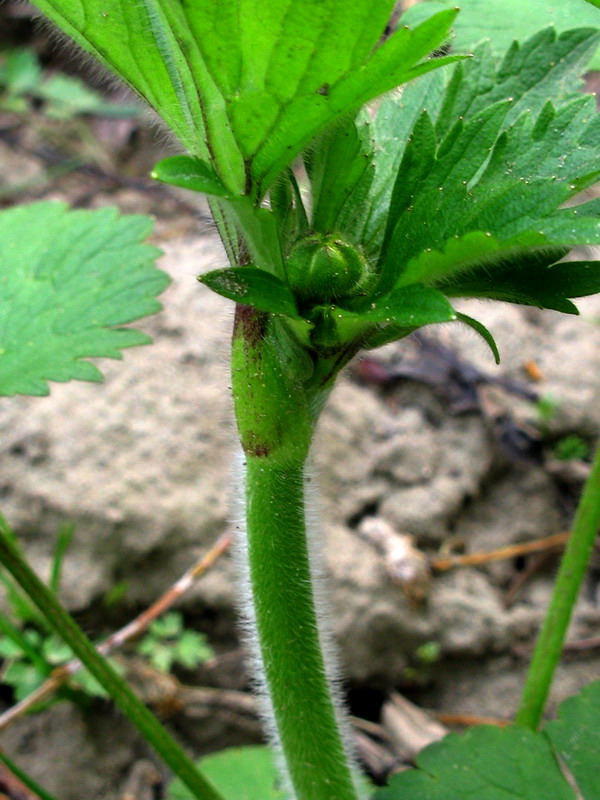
{"x": 276, "y": 414}
{"x": 568, "y": 583}
{"x": 288, "y": 634}
{"x": 66, "y": 627}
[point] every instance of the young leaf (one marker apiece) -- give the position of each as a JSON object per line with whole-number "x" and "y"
{"x": 390, "y": 131}
{"x": 252, "y": 287}
{"x": 189, "y": 173}
{"x": 64, "y": 289}
{"x": 338, "y": 162}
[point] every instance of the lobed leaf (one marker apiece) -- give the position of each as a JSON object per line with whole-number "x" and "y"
{"x": 473, "y": 196}
{"x": 68, "y": 279}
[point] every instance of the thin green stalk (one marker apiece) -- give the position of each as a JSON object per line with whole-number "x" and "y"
{"x": 66, "y": 627}
{"x": 25, "y": 779}
{"x": 568, "y": 583}
{"x": 276, "y": 415}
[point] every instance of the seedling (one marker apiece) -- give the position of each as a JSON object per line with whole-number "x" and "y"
{"x": 455, "y": 187}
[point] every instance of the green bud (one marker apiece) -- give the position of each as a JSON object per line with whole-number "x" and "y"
{"x": 325, "y": 267}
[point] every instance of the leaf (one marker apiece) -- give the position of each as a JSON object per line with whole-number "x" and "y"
{"x": 485, "y": 763}
{"x": 390, "y": 130}
{"x": 338, "y": 163}
{"x": 244, "y": 84}
{"x": 483, "y": 332}
{"x": 488, "y": 763}
{"x": 473, "y": 195}
{"x": 150, "y": 46}
{"x": 517, "y": 20}
{"x": 530, "y": 278}
{"x": 21, "y": 72}
{"x": 189, "y": 173}
{"x": 252, "y": 287}
{"x": 239, "y": 773}
{"x": 576, "y": 737}
{"x": 411, "y": 307}
{"x": 67, "y": 280}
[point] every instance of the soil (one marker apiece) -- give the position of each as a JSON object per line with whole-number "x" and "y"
{"x": 426, "y": 447}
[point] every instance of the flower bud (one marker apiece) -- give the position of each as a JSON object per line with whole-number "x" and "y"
{"x": 324, "y": 267}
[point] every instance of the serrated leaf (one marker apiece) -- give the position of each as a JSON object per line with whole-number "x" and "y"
{"x": 188, "y": 172}
{"x": 225, "y": 76}
{"x": 483, "y": 193}
{"x": 252, "y": 287}
{"x": 67, "y": 280}
{"x": 518, "y": 20}
{"x": 239, "y": 773}
{"x": 488, "y": 763}
{"x": 390, "y": 130}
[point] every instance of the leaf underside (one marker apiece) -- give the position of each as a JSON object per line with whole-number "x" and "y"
{"x": 68, "y": 281}
{"x": 247, "y": 84}
{"x": 488, "y": 763}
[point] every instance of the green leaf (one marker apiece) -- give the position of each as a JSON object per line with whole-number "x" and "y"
{"x": 485, "y": 763}
{"x": 530, "y": 278}
{"x": 239, "y": 773}
{"x": 576, "y": 737}
{"x": 473, "y": 195}
{"x": 390, "y": 131}
{"x": 68, "y": 279}
{"x": 252, "y": 287}
{"x": 247, "y": 86}
{"x": 517, "y": 20}
{"x": 488, "y": 763}
{"x": 338, "y": 162}
{"x": 21, "y": 72}
{"x": 410, "y": 307}
{"x": 483, "y": 332}
{"x": 189, "y": 173}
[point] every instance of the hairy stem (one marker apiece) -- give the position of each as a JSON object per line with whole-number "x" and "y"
{"x": 276, "y": 414}
{"x": 568, "y": 583}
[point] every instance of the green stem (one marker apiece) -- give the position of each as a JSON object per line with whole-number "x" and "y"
{"x": 276, "y": 414}
{"x": 66, "y": 627}
{"x": 34, "y": 787}
{"x": 568, "y": 583}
